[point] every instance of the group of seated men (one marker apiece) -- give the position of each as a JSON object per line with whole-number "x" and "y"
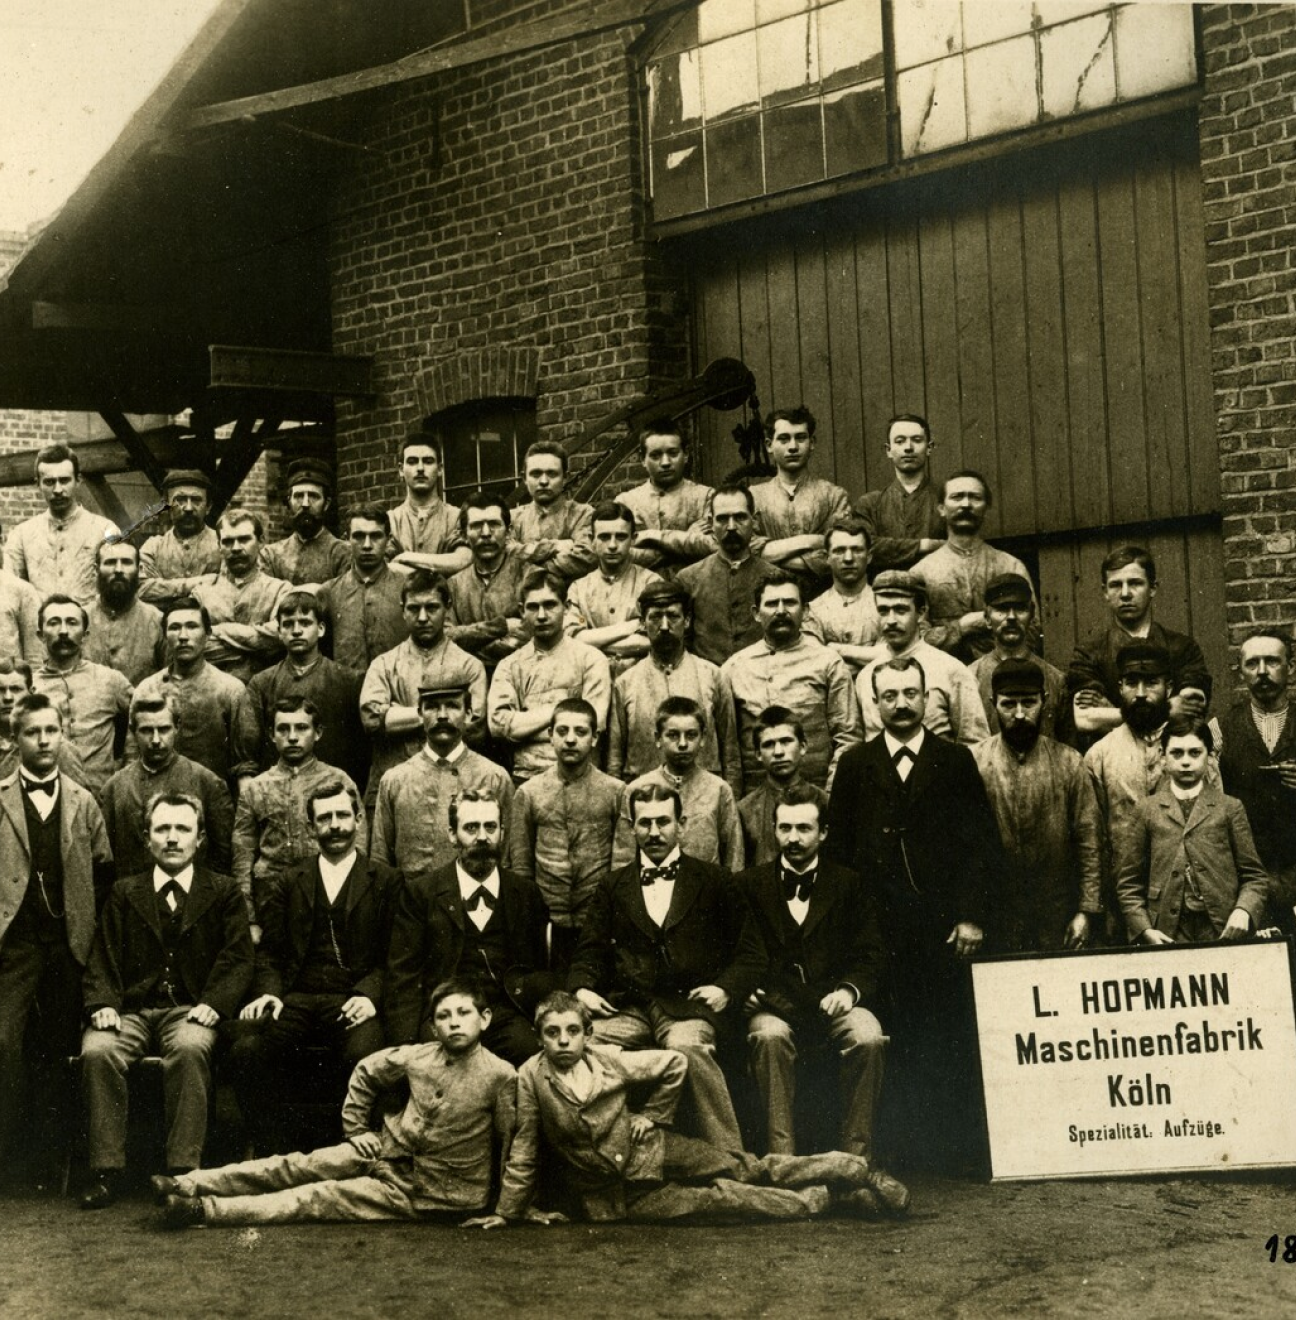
{"x": 835, "y": 767}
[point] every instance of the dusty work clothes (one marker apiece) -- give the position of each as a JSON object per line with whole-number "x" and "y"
{"x": 897, "y": 520}
{"x": 299, "y": 562}
{"x": 560, "y": 835}
{"x": 756, "y": 816}
{"x": 93, "y": 701}
{"x": 411, "y": 824}
{"x": 712, "y": 831}
{"x": 832, "y": 617}
{"x": 171, "y": 567}
{"x": 956, "y": 582}
{"x": 565, "y": 521}
{"x": 812, "y": 505}
{"x": 682, "y": 510}
{"x": 59, "y": 556}
{"x": 249, "y": 604}
{"x": 1055, "y": 691}
{"x": 722, "y": 603}
{"x": 365, "y": 616}
{"x": 206, "y": 705}
{"x": 19, "y": 619}
{"x": 431, "y": 530}
{"x": 815, "y": 684}
{"x": 129, "y": 641}
{"x": 954, "y": 709}
{"x": 594, "y": 601}
{"x": 530, "y": 678}
{"x": 481, "y": 603}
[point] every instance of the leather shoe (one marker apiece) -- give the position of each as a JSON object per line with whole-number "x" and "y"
{"x": 182, "y": 1212}
{"x": 163, "y": 1186}
{"x": 893, "y": 1194}
{"x": 102, "y": 1191}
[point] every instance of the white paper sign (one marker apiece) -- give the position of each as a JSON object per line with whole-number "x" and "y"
{"x": 1177, "y": 1058}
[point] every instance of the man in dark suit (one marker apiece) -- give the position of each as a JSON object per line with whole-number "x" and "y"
{"x": 661, "y": 939}
{"x": 173, "y": 955}
{"x": 319, "y": 968}
{"x": 814, "y": 926}
{"x": 908, "y": 811}
{"x": 470, "y": 920}
{"x": 55, "y": 872}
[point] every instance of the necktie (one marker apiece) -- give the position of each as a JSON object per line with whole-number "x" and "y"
{"x": 173, "y": 896}
{"x": 651, "y": 873}
{"x": 46, "y": 786}
{"x": 480, "y": 897}
{"x": 902, "y": 755}
{"x": 798, "y": 886}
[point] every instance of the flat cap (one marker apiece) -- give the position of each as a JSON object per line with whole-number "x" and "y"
{"x": 186, "y": 477}
{"x": 440, "y": 690}
{"x": 309, "y": 469}
{"x": 1017, "y": 678}
{"x": 896, "y": 582}
{"x": 1146, "y": 658}
{"x": 1008, "y": 589}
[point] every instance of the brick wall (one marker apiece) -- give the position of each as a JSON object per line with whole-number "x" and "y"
{"x": 506, "y": 212}
{"x": 1248, "y": 154}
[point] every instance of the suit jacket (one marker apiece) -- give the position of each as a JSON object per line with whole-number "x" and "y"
{"x": 928, "y": 847}
{"x": 428, "y": 940}
{"x": 213, "y": 957}
{"x": 1270, "y": 808}
{"x": 1215, "y": 842}
{"x": 840, "y": 942}
{"x": 87, "y": 859}
{"x": 625, "y": 956}
{"x": 288, "y": 916}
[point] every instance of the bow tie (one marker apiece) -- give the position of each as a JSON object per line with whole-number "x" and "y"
{"x": 798, "y": 886}
{"x": 40, "y": 785}
{"x": 173, "y": 895}
{"x": 480, "y": 897}
{"x": 665, "y": 873}
{"x": 902, "y": 754}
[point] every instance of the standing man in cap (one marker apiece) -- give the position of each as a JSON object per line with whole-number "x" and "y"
{"x": 1044, "y": 803}
{"x": 955, "y": 574}
{"x": 953, "y": 706}
{"x": 845, "y": 616}
{"x": 1010, "y": 616}
{"x": 904, "y": 521}
{"x": 172, "y": 564}
{"x": 364, "y": 602}
{"x": 426, "y": 531}
{"x": 55, "y": 550}
{"x": 310, "y": 552}
{"x": 123, "y": 632}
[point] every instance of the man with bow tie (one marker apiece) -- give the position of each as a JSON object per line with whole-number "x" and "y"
{"x": 657, "y": 959}
{"x": 55, "y": 872}
{"x": 469, "y": 919}
{"x": 814, "y": 927}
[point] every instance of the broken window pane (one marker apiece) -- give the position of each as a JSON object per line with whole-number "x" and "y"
{"x": 1078, "y": 65}
{"x": 674, "y": 94}
{"x": 855, "y": 135}
{"x": 678, "y": 175}
{"x": 932, "y": 107}
{"x": 788, "y": 55}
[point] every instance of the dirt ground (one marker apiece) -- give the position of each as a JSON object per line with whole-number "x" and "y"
{"x": 1147, "y": 1248}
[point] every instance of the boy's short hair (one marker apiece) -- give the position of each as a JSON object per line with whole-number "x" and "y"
{"x": 798, "y": 416}
{"x": 917, "y": 418}
{"x": 1124, "y": 557}
{"x": 32, "y": 704}
{"x": 774, "y": 717}
{"x": 14, "y": 664}
{"x": 550, "y": 447}
{"x": 539, "y": 579}
{"x": 421, "y": 580}
{"x": 563, "y": 1001}
{"x": 154, "y": 706}
{"x": 370, "y": 513}
{"x": 660, "y": 425}
{"x": 291, "y": 705}
{"x": 187, "y": 604}
{"x": 575, "y": 706}
{"x": 851, "y": 524}
{"x": 679, "y": 707}
{"x": 1187, "y": 726}
{"x": 613, "y": 511}
{"x": 301, "y": 602}
{"x": 459, "y": 985}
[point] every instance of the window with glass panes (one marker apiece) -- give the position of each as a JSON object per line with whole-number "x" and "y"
{"x": 483, "y": 442}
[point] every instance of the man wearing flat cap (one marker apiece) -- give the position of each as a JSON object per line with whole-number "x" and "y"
{"x": 310, "y": 553}
{"x": 172, "y": 564}
{"x": 1044, "y": 803}
{"x": 1010, "y": 617}
{"x": 953, "y": 709}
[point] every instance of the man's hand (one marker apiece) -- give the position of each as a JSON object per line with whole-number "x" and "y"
{"x": 1189, "y": 701}
{"x": 755, "y": 1002}
{"x": 485, "y": 1221}
{"x": 712, "y": 996}
{"x": 544, "y": 1217}
{"x": 640, "y": 1127}
{"x": 974, "y": 621}
{"x": 1286, "y": 773}
{"x": 1154, "y": 936}
{"x": 837, "y": 1002}
{"x": 271, "y": 1004}
{"x": 367, "y": 1144}
{"x": 966, "y": 938}
{"x": 1077, "y": 932}
{"x": 357, "y": 1009}
{"x": 597, "y": 1005}
{"x": 105, "y": 1019}
{"x": 1237, "y": 927}
{"x": 204, "y": 1015}
{"x": 1088, "y": 699}
{"x": 256, "y": 933}
{"x": 540, "y": 552}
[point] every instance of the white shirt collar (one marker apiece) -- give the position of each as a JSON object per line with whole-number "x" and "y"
{"x": 893, "y": 744}
{"x": 51, "y": 778}
{"x": 669, "y": 860}
{"x": 161, "y": 879}
{"x": 334, "y": 874}
{"x": 454, "y": 755}
{"x": 468, "y": 883}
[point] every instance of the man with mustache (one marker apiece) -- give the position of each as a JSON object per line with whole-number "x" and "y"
{"x": 173, "y": 563}
{"x": 1010, "y": 617}
{"x": 411, "y": 824}
{"x": 485, "y": 614}
{"x": 1256, "y": 745}
{"x": 426, "y": 532}
{"x": 319, "y": 970}
{"x": 310, "y": 552}
{"x": 468, "y": 918}
{"x": 1044, "y": 803}
{"x": 722, "y": 583}
{"x": 669, "y": 670}
{"x": 123, "y": 632}
{"x": 956, "y": 573}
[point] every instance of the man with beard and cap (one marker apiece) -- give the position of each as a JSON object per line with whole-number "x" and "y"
{"x": 809, "y": 678}
{"x": 427, "y": 658}
{"x": 123, "y": 632}
{"x": 956, "y": 573}
{"x": 669, "y": 509}
{"x": 426, "y": 532}
{"x": 485, "y": 614}
{"x": 668, "y": 670}
{"x": 1255, "y": 742}
{"x": 411, "y": 822}
{"x": 1044, "y": 803}
{"x": 953, "y": 706}
{"x": 722, "y": 584}
{"x": 1129, "y": 580}
{"x": 553, "y": 530}
{"x": 93, "y": 700}
{"x": 310, "y": 552}
{"x": 319, "y": 971}
{"x": 364, "y": 603}
{"x": 172, "y": 564}
{"x": 780, "y": 746}
{"x": 908, "y": 811}
{"x": 55, "y": 550}
{"x": 603, "y": 606}
{"x": 155, "y": 725}
{"x": 845, "y": 617}
{"x": 469, "y": 918}
{"x": 1010, "y": 616}
{"x": 904, "y": 521}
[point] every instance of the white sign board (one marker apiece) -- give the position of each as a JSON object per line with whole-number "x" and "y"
{"x": 1169, "y": 1059}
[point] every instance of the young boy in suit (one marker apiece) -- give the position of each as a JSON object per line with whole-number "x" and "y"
{"x": 435, "y": 1155}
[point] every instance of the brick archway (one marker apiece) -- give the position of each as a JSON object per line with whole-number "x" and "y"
{"x": 483, "y": 373}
